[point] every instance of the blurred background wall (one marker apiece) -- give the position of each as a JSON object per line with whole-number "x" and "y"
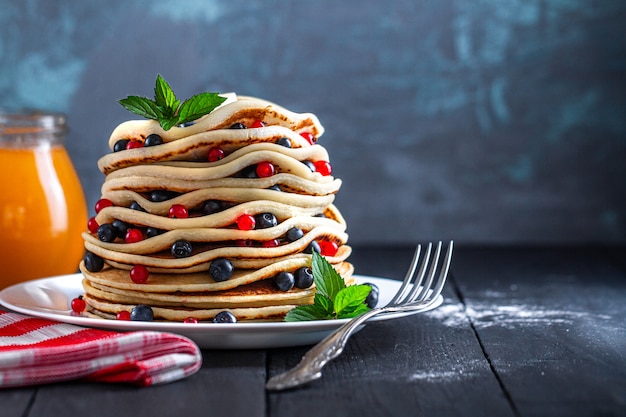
{"x": 486, "y": 121}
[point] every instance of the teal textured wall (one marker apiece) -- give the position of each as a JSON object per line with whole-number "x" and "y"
{"x": 483, "y": 121}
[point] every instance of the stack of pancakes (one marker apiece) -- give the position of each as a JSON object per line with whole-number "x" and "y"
{"x": 248, "y": 131}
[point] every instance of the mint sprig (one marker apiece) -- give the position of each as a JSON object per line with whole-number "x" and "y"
{"x": 333, "y": 299}
{"x": 167, "y": 109}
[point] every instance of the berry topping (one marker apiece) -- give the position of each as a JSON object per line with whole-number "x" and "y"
{"x": 139, "y": 274}
{"x": 225, "y": 317}
{"x": 265, "y": 169}
{"x": 181, "y": 249}
{"x": 123, "y": 315}
{"x": 313, "y": 246}
{"x": 157, "y": 196}
{"x": 190, "y": 320}
{"x": 265, "y": 220}
{"x": 142, "y": 312}
{"x": 120, "y": 145}
{"x": 286, "y": 142}
{"x": 106, "y": 233}
{"x": 134, "y": 144}
{"x": 270, "y": 243}
{"x": 244, "y": 243}
{"x": 212, "y": 206}
{"x": 120, "y": 228}
{"x": 309, "y": 137}
{"x": 284, "y": 281}
{"x": 237, "y": 126}
{"x": 133, "y": 236}
{"x": 246, "y": 222}
{"x": 303, "y": 277}
{"x": 221, "y": 269}
{"x": 93, "y": 225}
{"x": 257, "y": 124}
{"x": 178, "y": 211}
{"x": 249, "y": 172}
{"x": 323, "y": 167}
{"x": 294, "y": 234}
{"x": 153, "y": 140}
{"x": 93, "y": 263}
{"x": 372, "y": 297}
{"x": 102, "y": 203}
{"x": 328, "y": 248}
{"x": 215, "y": 154}
{"x": 275, "y": 187}
{"x": 78, "y": 304}
{"x": 135, "y": 206}
{"x": 152, "y": 232}
{"x": 310, "y": 165}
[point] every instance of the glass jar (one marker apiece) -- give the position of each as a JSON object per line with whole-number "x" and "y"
{"x": 42, "y": 205}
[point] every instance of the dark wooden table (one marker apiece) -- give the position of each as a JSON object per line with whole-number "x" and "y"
{"x": 522, "y": 332}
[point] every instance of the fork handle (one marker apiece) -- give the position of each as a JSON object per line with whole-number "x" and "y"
{"x": 310, "y": 367}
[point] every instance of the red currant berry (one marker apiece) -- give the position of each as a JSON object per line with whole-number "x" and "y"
{"x": 93, "y": 225}
{"x": 133, "y": 236}
{"x": 190, "y": 320}
{"x": 265, "y": 169}
{"x": 133, "y": 144}
{"x": 244, "y": 243}
{"x": 123, "y": 315}
{"x": 178, "y": 211}
{"x": 139, "y": 274}
{"x": 328, "y": 248}
{"x": 258, "y": 123}
{"x": 323, "y": 167}
{"x": 270, "y": 243}
{"x": 215, "y": 154}
{"x": 78, "y": 305}
{"x": 246, "y": 222}
{"x": 309, "y": 137}
{"x": 102, "y": 203}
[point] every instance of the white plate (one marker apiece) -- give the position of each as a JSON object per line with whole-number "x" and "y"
{"x": 50, "y": 298}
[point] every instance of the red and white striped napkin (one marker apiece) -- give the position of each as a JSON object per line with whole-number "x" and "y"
{"x": 38, "y": 351}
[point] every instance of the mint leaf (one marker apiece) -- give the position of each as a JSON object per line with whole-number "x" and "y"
{"x": 141, "y": 106}
{"x": 168, "y": 123}
{"x": 353, "y": 312}
{"x": 325, "y": 305}
{"x": 304, "y": 313}
{"x": 327, "y": 281}
{"x": 165, "y": 98}
{"x": 349, "y": 299}
{"x": 198, "y": 105}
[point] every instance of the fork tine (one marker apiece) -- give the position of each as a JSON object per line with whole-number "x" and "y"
{"x": 420, "y": 277}
{"x": 408, "y": 277}
{"x": 437, "y": 288}
{"x": 420, "y": 293}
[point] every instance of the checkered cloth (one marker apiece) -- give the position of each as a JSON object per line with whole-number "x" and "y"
{"x": 38, "y": 351}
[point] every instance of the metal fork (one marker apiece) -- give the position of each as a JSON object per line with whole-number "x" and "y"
{"x": 417, "y": 292}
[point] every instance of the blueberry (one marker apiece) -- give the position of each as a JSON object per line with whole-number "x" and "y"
{"x": 249, "y": 172}
{"x": 107, "y": 233}
{"x": 372, "y": 297}
{"x": 294, "y": 234}
{"x": 238, "y": 126}
{"x": 310, "y": 164}
{"x": 275, "y": 187}
{"x": 93, "y": 262}
{"x": 157, "y": 196}
{"x": 265, "y": 220}
{"x": 286, "y": 142}
{"x": 186, "y": 124}
{"x": 135, "y": 206}
{"x": 120, "y": 145}
{"x": 303, "y": 277}
{"x": 212, "y": 206}
{"x": 120, "y": 228}
{"x": 225, "y": 317}
{"x": 221, "y": 269}
{"x": 284, "y": 281}
{"x": 153, "y": 140}
{"x": 142, "y": 312}
{"x": 181, "y": 249}
{"x": 313, "y": 246}
{"x": 152, "y": 232}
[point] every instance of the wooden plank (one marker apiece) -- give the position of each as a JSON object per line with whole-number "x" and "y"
{"x": 16, "y": 401}
{"x": 552, "y": 323}
{"x": 410, "y": 366}
{"x": 230, "y": 383}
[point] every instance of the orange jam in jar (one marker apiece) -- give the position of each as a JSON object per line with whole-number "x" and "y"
{"x": 42, "y": 205}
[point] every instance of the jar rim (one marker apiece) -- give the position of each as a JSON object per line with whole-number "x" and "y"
{"x": 31, "y": 121}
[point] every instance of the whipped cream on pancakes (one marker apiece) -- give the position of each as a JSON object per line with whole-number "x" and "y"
{"x": 247, "y": 186}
